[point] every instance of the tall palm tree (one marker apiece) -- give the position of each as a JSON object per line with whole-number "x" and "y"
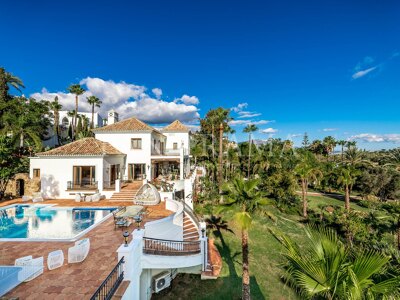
{"x": 249, "y": 129}
{"x": 56, "y": 107}
{"x": 324, "y": 268}
{"x": 307, "y": 170}
{"x": 347, "y": 177}
{"x": 94, "y": 102}
{"x": 245, "y": 197}
{"x": 342, "y": 143}
{"x": 77, "y": 90}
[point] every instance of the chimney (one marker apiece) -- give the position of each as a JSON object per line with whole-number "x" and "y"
{"x": 112, "y": 117}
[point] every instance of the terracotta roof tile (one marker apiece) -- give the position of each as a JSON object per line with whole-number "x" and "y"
{"x": 176, "y": 126}
{"x": 131, "y": 124}
{"x": 85, "y": 146}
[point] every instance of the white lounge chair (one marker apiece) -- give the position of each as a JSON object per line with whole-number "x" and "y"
{"x": 78, "y": 197}
{"x": 26, "y": 198}
{"x": 37, "y": 197}
{"x": 96, "y": 197}
{"x": 31, "y": 267}
{"x": 55, "y": 259}
{"x": 79, "y": 251}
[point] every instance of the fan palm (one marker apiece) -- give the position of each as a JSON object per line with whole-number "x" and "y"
{"x": 77, "y": 90}
{"x": 325, "y": 269}
{"x": 244, "y": 196}
{"x": 249, "y": 129}
{"x": 94, "y": 102}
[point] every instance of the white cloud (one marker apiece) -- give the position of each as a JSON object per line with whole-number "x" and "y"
{"x": 329, "y": 129}
{"x": 269, "y": 130}
{"x": 377, "y": 138}
{"x": 127, "y": 99}
{"x": 186, "y": 99}
{"x": 362, "y": 73}
{"x": 247, "y": 122}
{"x": 295, "y": 135}
{"x": 157, "y": 92}
{"x": 248, "y": 114}
{"x": 239, "y": 107}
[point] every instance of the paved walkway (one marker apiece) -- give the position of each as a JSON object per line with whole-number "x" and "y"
{"x": 73, "y": 281}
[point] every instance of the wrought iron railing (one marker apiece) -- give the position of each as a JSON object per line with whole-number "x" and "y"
{"x": 168, "y": 247}
{"x": 82, "y": 185}
{"x": 110, "y": 285}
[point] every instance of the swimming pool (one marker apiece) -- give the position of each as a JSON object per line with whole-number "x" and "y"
{"x": 47, "y": 222}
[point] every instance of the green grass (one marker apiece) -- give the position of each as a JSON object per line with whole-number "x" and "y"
{"x": 315, "y": 201}
{"x": 265, "y": 256}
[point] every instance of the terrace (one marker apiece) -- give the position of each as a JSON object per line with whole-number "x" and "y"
{"x": 74, "y": 281}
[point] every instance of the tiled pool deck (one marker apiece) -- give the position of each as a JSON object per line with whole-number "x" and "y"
{"x": 73, "y": 281}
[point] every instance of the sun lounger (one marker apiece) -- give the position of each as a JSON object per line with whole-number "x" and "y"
{"x": 55, "y": 259}
{"x": 79, "y": 251}
{"x": 31, "y": 267}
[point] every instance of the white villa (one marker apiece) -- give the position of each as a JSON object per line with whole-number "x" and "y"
{"x": 118, "y": 164}
{"x": 128, "y": 150}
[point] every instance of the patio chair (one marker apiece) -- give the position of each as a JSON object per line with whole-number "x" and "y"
{"x": 119, "y": 219}
{"x": 31, "y": 267}
{"x": 55, "y": 259}
{"x": 79, "y": 251}
{"x": 96, "y": 197}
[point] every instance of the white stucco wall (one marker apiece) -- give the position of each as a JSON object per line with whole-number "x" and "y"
{"x": 55, "y": 172}
{"x": 122, "y": 141}
{"x": 178, "y": 137}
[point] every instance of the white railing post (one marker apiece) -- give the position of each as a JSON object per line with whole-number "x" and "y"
{"x": 203, "y": 245}
{"x": 117, "y": 185}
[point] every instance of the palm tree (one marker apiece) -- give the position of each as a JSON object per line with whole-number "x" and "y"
{"x": 249, "y": 129}
{"x": 347, "y": 178}
{"x": 330, "y": 144}
{"x": 245, "y": 197}
{"x": 324, "y": 268}
{"x": 77, "y": 90}
{"x": 307, "y": 170}
{"x": 216, "y": 224}
{"x": 56, "y": 107}
{"x": 14, "y": 81}
{"x": 93, "y": 101}
{"x": 342, "y": 143}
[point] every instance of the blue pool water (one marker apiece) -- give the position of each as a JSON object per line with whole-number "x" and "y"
{"x": 47, "y": 222}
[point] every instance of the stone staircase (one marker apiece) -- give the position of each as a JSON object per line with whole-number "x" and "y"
{"x": 127, "y": 193}
{"x": 190, "y": 230}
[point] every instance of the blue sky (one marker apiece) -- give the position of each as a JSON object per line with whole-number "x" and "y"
{"x": 322, "y": 67}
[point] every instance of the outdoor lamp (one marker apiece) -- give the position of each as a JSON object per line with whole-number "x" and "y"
{"x": 203, "y": 230}
{"x": 138, "y": 220}
{"x": 126, "y": 236}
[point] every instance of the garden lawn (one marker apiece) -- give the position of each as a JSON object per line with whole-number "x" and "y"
{"x": 265, "y": 256}
{"x": 315, "y": 201}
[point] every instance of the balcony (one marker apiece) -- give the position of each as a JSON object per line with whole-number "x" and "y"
{"x": 166, "y": 152}
{"x": 88, "y": 184}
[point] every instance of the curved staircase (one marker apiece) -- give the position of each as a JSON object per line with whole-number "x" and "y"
{"x": 190, "y": 229}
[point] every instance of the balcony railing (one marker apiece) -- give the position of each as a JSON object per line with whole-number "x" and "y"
{"x": 82, "y": 185}
{"x": 166, "y": 152}
{"x": 110, "y": 285}
{"x": 170, "y": 248}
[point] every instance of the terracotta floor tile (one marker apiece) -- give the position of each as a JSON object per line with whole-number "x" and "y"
{"x": 72, "y": 281}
